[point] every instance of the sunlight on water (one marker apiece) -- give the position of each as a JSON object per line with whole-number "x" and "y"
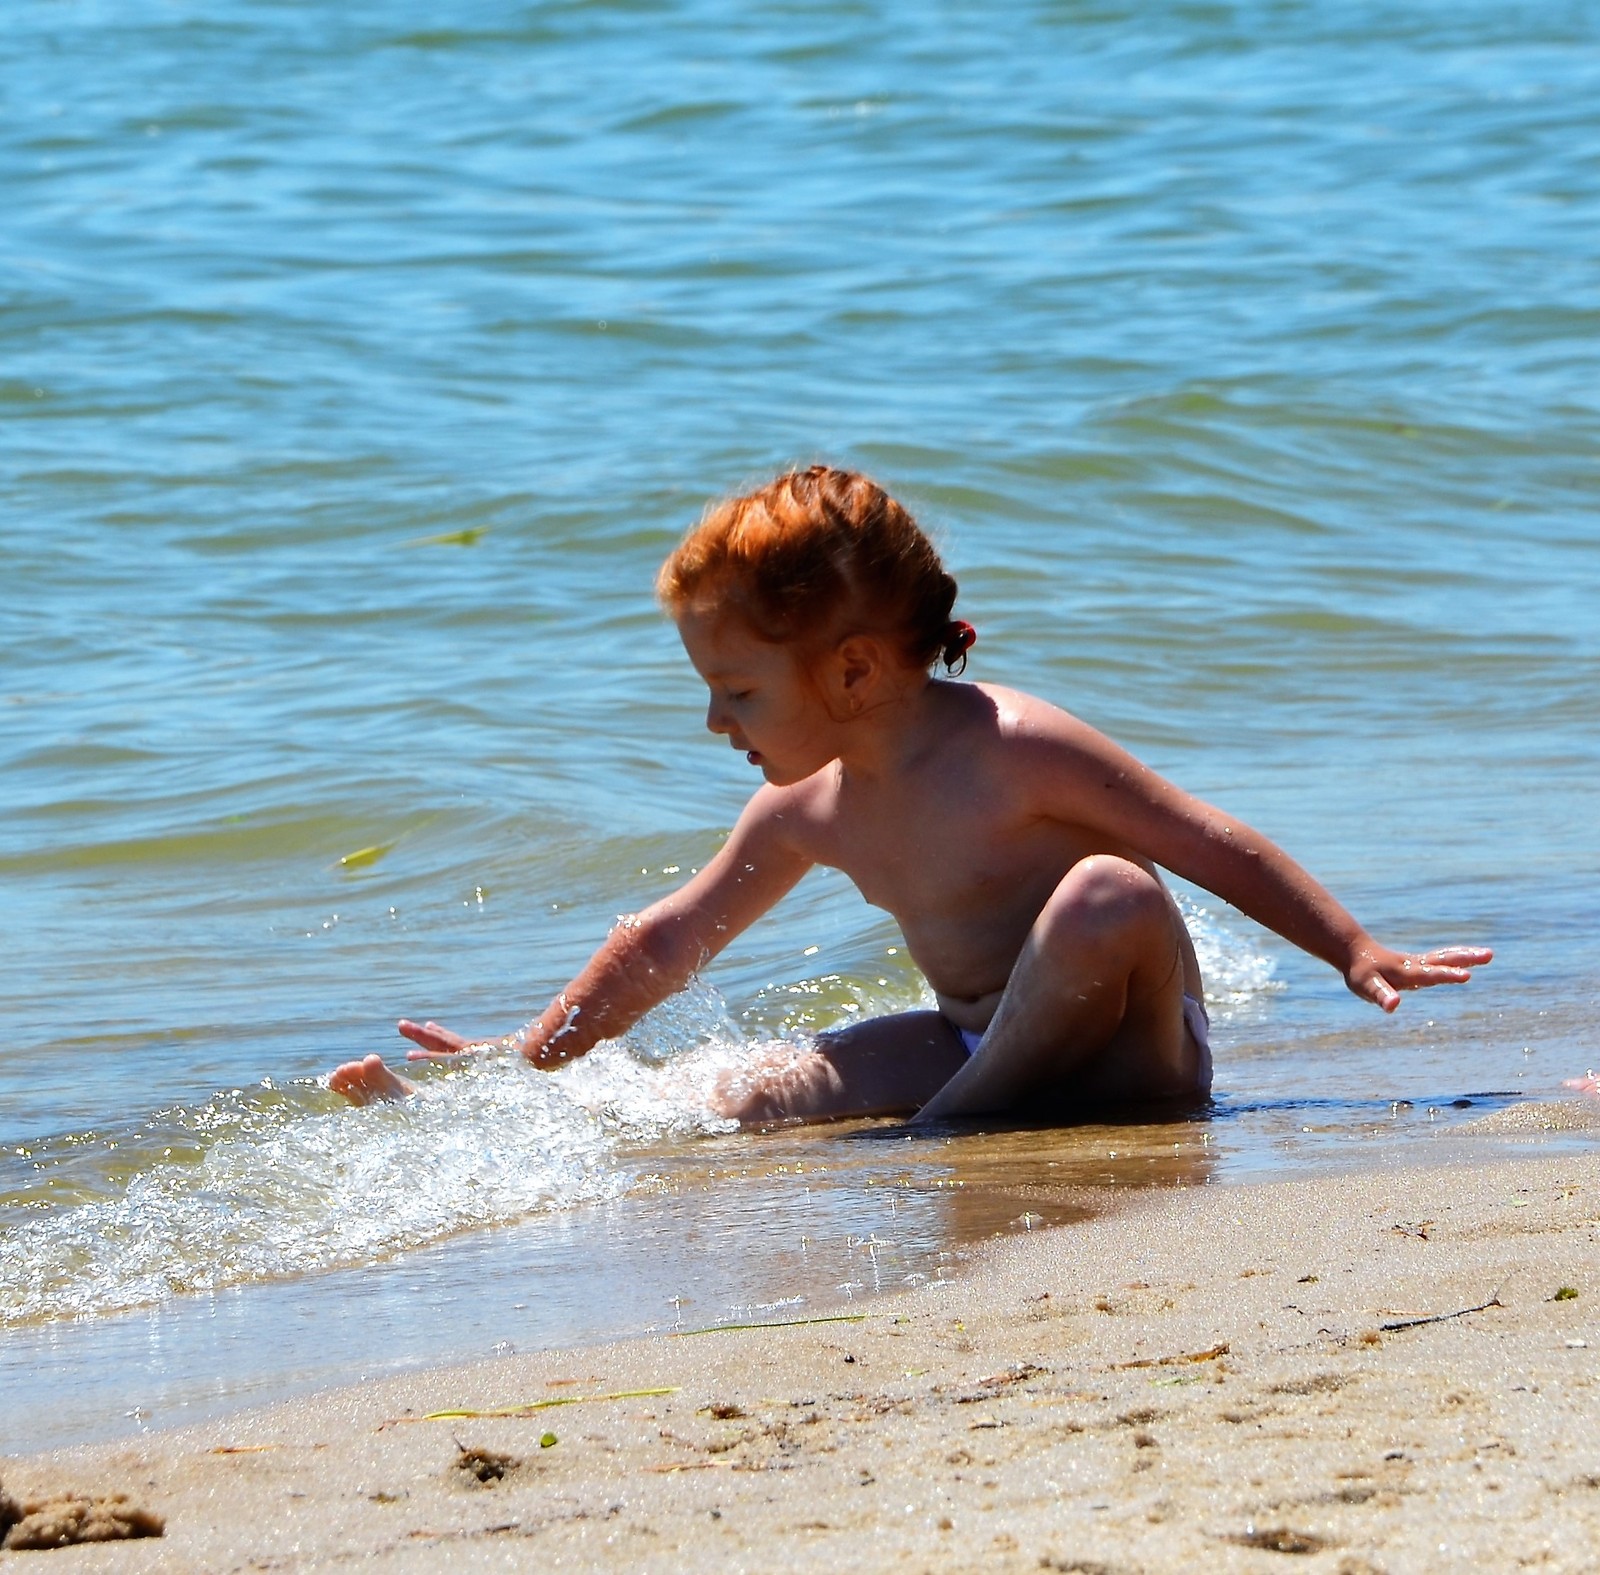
{"x": 1235, "y": 972}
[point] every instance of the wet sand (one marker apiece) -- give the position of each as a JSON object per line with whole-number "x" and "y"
{"x": 1208, "y": 1377}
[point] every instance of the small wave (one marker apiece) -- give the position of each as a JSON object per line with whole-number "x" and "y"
{"x": 1236, "y": 972}
{"x": 276, "y": 1182}
{"x": 291, "y": 1183}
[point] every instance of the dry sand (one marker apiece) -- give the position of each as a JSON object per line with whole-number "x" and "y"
{"x": 1202, "y": 1381}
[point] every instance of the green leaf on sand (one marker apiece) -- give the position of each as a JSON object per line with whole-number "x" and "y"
{"x": 782, "y": 1323}
{"x": 528, "y": 1407}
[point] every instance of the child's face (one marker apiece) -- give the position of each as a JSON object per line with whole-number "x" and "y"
{"x": 762, "y": 701}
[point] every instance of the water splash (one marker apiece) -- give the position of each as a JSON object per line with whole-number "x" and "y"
{"x": 1236, "y": 971}
{"x": 268, "y": 1183}
{"x": 272, "y": 1182}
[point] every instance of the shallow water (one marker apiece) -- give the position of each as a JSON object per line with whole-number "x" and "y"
{"x": 355, "y": 373}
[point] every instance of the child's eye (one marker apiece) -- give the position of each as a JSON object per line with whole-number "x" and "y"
{"x": 740, "y": 694}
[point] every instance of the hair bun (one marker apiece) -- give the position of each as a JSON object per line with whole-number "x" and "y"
{"x": 959, "y": 638}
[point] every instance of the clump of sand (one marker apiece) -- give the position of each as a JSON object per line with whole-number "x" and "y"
{"x": 68, "y": 1518}
{"x": 1539, "y": 1116}
{"x": 482, "y": 1467}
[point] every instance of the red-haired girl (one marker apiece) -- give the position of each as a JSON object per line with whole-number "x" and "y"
{"x": 1017, "y": 847}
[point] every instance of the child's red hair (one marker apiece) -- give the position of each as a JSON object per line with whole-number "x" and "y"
{"x": 816, "y": 555}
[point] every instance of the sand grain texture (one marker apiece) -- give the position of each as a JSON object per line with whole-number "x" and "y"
{"x": 1199, "y": 1381}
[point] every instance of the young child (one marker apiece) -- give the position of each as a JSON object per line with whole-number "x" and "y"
{"x": 1017, "y": 848}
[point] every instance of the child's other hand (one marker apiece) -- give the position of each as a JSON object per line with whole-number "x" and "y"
{"x": 435, "y": 1043}
{"x": 1379, "y": 975}
{"x": 535, "y": 1043}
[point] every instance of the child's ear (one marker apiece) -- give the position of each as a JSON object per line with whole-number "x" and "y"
{"x": 857, "y": 666}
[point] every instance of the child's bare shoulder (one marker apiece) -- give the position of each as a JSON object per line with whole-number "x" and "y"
{"x": 1042, "y": 750}
{"x": 1024, "y": 723}
{"x": 791, "y": 815}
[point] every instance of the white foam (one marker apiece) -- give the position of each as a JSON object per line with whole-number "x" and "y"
{"x": 287, "y": 1186}
{"x": 1236, "y": 971}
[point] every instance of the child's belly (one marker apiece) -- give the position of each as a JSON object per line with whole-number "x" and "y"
{"x": 967, "y": 949}
{"x": 966, "y": 891}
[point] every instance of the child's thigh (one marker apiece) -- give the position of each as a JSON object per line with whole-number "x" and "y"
{"x": 887, "y": 1065}
{"x": 1152, "y": 1056}
{"x": 1093, "y": 1013}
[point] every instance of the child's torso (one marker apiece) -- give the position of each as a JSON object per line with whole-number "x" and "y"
{"x": 961, "y": 852}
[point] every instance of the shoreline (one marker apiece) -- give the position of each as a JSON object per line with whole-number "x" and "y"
{"x": 797, "y": 1222}
{"x": 1200, "y": 1377}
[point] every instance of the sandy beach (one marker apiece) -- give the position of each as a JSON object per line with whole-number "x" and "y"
{"x": 1208, "y": 1378}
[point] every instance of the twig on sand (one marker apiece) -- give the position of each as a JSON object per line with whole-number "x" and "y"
{"x": 781, "y": 1323}
{"x": 528, "y": 1407}
{"x": 1210, "y": 1354}
{"x": 1460, "y": 1312}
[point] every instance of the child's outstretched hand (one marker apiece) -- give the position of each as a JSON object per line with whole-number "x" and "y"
{"x": 438, "y": 1044}
{"x": 1378, "y": 974}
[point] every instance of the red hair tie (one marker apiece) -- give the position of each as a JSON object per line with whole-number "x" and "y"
{"x": 959, "y": 638}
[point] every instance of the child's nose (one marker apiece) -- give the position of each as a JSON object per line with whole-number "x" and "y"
{"x": 716, "y": 722}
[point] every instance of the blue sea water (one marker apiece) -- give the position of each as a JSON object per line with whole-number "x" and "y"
{"x": 359, "y": 363}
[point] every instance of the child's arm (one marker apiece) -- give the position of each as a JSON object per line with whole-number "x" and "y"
{"x": 1111, "y": 791}
{"x": 651, "y": 955}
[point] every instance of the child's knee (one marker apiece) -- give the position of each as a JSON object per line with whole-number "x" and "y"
{"x": 1105, "y": 900}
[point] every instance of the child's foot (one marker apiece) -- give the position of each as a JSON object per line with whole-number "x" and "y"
{"x": 779, "y": 1087}
{"x": 1584, "y": 1085}
{"x": 369, "y": 1082}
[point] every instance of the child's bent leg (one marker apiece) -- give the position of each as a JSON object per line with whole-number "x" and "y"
{"x": 885, "y": 1066}
{"x": 369, "y": 1082}
{"x": 1093, "y": 1012}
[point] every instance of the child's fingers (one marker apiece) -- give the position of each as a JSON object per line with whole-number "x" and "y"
{"x": 1448, "y": 965}
{"x": 1422, "y": 973}
{"x": 1460, "y": 956}
{"x": 1452, "y": 966}
{"x": 1394, "y": 972}
{"x": 434, "y": 1040}
{"x": 1371, "y": 985}
{"x": 1381, "y": 993}
{"x": 1417, "y": 973}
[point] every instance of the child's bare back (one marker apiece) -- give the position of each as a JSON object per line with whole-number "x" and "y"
{"x": 1016, "y": 846}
